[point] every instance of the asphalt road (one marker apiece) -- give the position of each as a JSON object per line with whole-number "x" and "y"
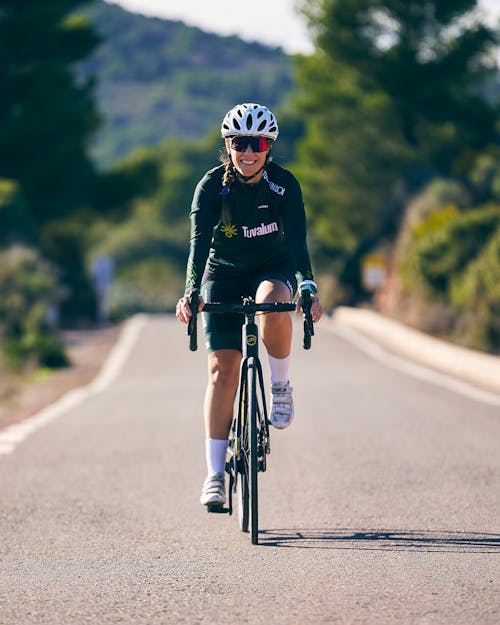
{"x": 380, "y": 506}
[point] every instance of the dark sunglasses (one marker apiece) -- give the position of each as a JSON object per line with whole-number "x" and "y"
{"x": 258, "y": 144}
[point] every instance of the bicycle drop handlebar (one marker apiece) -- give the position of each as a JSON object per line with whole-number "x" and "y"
{"x": 248, "y": 307}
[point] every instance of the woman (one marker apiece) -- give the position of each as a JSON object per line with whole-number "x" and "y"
{"x": 248, "y": 238}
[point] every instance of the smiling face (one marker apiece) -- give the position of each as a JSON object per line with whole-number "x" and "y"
{"x": 248, "y": 163}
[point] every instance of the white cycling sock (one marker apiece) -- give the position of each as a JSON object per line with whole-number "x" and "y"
{"x": 279, "y": 369}
{"x": 215, "y": 453}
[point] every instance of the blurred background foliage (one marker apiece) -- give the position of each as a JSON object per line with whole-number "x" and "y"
{"x": 30, "y": 289}
{"x": 159, "y": 78}
{"x": 108, "y": 120}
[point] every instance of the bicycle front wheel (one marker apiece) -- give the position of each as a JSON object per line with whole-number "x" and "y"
{"x": 243, "y": 460}
{"x": 243, "y": 498}
{"x": 254, "y": 460}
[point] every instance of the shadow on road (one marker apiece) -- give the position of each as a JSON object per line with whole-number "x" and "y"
{"x": 381, "y": 540}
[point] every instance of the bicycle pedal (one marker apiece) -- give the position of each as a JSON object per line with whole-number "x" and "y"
{"x": 217, "y": 508}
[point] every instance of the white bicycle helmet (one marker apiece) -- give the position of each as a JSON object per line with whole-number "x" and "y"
{"x": 250, "y": 119}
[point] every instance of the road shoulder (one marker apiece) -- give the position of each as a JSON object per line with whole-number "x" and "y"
{"x": 87, "y": 351}
{"x": 477, "y": 368}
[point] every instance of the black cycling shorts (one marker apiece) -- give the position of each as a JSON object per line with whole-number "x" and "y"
{"x": 223, "y": 331}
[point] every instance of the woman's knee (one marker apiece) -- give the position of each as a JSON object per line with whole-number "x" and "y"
{"x": 272, "y": 291}
{"x": 223, "y": 367}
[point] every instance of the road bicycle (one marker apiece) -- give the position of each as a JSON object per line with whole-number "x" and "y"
{"x": 249, "y": 439}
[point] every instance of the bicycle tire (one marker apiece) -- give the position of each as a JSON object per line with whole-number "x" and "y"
{"x": 254, "y": 460}
{"x": 243, "y": 499}
{"x": 243, "y": 488}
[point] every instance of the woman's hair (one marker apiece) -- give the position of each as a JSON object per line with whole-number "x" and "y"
{"x": 228, "y": 177}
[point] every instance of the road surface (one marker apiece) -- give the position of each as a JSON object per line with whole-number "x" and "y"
{"x": 380, "y": 506}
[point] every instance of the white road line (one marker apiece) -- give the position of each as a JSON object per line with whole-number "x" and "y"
{"x": 417, "y": 371}
{"x": 120, "y": 353}
{"x": 12, "y": 436}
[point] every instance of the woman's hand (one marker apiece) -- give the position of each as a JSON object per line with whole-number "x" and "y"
{"x": 316, "y": 308}
{"x": 183, "y": 308}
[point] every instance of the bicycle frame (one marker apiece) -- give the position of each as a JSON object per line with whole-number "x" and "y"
{"x": 251, "y": 422}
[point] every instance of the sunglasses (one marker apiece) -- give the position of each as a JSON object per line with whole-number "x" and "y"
{"x": 258, "y": 144}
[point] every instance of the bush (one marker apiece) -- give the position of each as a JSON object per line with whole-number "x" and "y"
{"x": 140, "y": 237}
{"x": 65, "y": 244}
{"x": 485, "y": 176}
{"x": 29, "y": 291}
{"x": 438, "y": 194}
{"x": 152, "y": 285}
{"x": 149, "y": 258}
{"x": 447, "y": 260}
{"x": 477, "y": 292}
{"x": 440, "y": 255}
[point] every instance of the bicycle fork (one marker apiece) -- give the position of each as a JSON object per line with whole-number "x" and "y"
{"x": 251, "y": 360}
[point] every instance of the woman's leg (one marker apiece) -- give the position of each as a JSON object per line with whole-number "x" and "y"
{"x": 223, "y": 378}
{"x": 276, "y": 330}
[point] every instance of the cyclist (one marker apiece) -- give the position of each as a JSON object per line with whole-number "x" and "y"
{"x": 248, "y": 238}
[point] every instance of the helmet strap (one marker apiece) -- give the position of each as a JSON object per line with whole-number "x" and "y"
{"x": 248, "y": 178}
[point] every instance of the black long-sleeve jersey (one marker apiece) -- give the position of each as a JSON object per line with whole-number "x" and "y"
{"x": 268, "y": 225}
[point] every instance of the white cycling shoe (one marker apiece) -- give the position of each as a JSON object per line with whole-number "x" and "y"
{"x": 281, "y": 405}
{"x": 213, "y": 490}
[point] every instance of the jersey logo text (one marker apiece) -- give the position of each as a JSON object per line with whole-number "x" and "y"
{"x": 260, "y": 231}
{"x": 272, "y": 185}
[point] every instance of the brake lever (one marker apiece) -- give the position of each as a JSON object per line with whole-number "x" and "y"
{"x": 308, "y": 321}
{"x": 192, "y": 328}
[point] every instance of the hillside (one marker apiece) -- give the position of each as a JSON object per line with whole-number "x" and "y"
{"x": 159, "y": 78}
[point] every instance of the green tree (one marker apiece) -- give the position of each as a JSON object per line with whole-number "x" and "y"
{"x": 136, "y": 175}
{"x": 150, "y": 246}
{"x": 16, "y": 220}
{"x": 391, "y": 96}
{"x": 47, "y": 115}
{"x": 429, "y": 57}
{"x": 351, "y": 155}
{"x": 183, "y": 163}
